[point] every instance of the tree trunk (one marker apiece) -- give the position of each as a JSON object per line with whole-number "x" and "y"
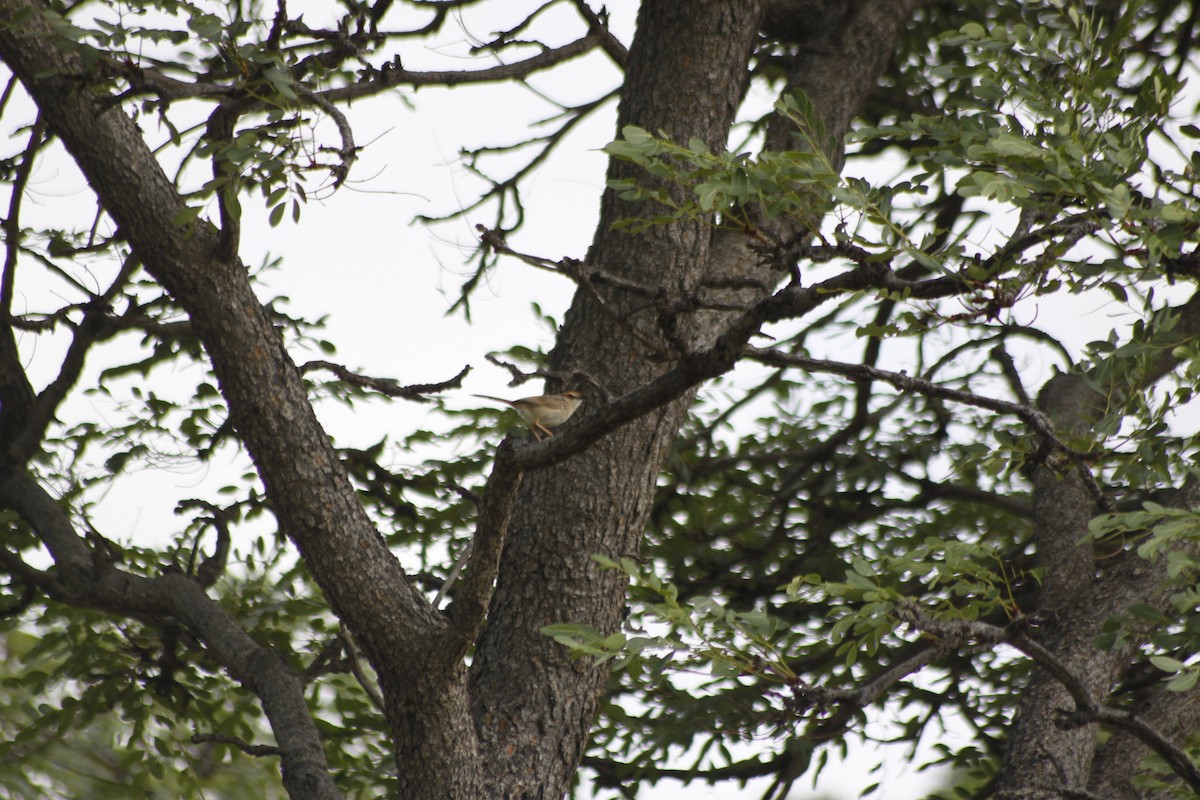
{"x": 687, "y": 66}
{"x": 310, "y": 492}
{"x": 1048, "y": 756}
{"x": 528, "y": 705}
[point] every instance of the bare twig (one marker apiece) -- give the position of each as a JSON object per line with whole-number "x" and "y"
{"x": 1009, "y": 369}
{"x": 12, "y": 222}
{"x": 394, "y": 74}
{"x": 37, "y": 417}
{"x": 585, "y": 279}
{"x": 387, "y": 386}
{"x": 571, "y": 377}
{"x": 356, "y": 669}
{"x": 1035, "y": 418}
{"x": 144, "y": 81}
{"x": 599, "y": 22}
{"x": 348, "y": 152}
{"x": 257, "y": 750}
{"x": 1028, "y": 414}
{"x": 214, "y": 566}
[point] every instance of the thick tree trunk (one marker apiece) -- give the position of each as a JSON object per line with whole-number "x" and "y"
{"x": 533, "y": 704}
{"x": 1053, "y": 758}
{"x": 685, "y": 77}
{"x": 1048, "y": 757}
{"x": 309, "y": 490}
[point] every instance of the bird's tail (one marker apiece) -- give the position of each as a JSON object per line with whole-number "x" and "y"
{"x": 497, "y": 399}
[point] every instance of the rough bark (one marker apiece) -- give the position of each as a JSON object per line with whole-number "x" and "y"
{"x": 423, "y": 683}
{"x": 533, "y": 704}
{"x": 1046, "y": 757}
{"x": 521, "y": 727}
{"x": 1052, "y": 758}
{"x": 685, "y": 74}
{"x": 1173, "y": 715}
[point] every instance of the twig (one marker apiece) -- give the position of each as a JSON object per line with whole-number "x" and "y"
{"x": 387, "y": 386}
{"x": 1026, "y": 413}
{"x": 348, "y": 151}
{"x": 12, "y": 222}
{"x": 599, "y": 22}
{"x": 698, "y": 366}
{"x": 257, "y": 750}
{"x": 860, "y": 372}
{"x": 569, "y": 376}
{"x": 586, "y": 280}
{"x": 876, "y": 687}
{"x": 356, "y": 669}
{"x": 1009, "y": 369}
{"x": 143, "y": 81}
{"x": 214, "y": 566}
{"x": 394, "y": 74}
{"x": 1087, "y": 709}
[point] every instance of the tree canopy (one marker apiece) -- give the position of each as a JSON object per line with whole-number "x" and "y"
{"x": 887, "y": 338}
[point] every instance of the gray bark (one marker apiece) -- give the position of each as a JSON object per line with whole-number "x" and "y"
{"x": 533, "y": 704}
{"x": 1046, "y": 758}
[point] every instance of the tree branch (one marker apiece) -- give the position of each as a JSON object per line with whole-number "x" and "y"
{"x": 308, "y": 487}
{"x": 470, "y": 605}
{"x": 585, "y": 277}
{"x": 1087, "y": 708}
{"x": 256, "y": 750}
{"x": 357, "y": 670}
{"x": 1031, "y": 416}
{"x": 387, "y": 386}
{"x": 16, "y": 392}
{"x": 348, "y": 152}
{"x": 95, "y": 583}
{"x": 698, "y": 366}
{"x": 93, "y": 329}
{"x": 212, "y": 567}
{"x": 393, "y": 74}
{"x": 1171, "y": 714}
{"x": 617, "y": 51}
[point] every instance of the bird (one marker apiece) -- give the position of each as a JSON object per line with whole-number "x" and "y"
{"x": 544, "y": 411}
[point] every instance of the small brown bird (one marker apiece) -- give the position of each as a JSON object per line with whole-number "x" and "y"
{"x": 544, "y": 411}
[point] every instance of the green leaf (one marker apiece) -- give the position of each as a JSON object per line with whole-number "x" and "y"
{"x": 1149, "y": 614}
{"x": 1166, "y": 663}
{"x": 185, "y": 217}
{"x": 1184, "y": 681}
